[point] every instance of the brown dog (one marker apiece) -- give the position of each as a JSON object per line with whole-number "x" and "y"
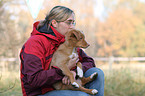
{"x": 62, "y": 55}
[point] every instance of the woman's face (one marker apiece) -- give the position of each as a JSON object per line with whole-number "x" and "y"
{"x": 65, "y": 26}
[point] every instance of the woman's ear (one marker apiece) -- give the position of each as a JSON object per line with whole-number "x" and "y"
{"x": 54, "y": 23}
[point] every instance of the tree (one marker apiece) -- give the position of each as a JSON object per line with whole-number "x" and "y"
{"x": 6, "y": 29}
{"x": 12, "y": 28}
{"x": 122, "y": 32}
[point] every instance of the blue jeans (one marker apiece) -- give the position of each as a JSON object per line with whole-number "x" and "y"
{"x": 96, "y": 84}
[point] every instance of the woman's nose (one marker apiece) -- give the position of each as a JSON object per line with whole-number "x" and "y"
{"x": 72, "y": 26}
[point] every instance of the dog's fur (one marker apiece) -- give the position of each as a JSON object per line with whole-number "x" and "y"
{"x": 65, "y": 51}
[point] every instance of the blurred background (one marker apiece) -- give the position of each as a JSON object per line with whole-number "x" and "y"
{"x": 115, "y": 30}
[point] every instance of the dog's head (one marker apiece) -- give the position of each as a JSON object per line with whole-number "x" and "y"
{"x": 76, "y": 38}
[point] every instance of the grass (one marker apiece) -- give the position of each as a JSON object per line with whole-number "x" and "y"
{"x": 121, "y": 80}
{"x": 124, "y": 83}
{"x": 10, "y": 84}
{"x": 124, "y": 80}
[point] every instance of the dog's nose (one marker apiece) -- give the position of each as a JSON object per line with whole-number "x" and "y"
{"x": 88, "y": 45}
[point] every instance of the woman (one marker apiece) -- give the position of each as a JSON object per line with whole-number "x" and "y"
{"x": 37, "y": 52}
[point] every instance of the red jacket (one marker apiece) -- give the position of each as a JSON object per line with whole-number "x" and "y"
{"x": 36, "y": 55}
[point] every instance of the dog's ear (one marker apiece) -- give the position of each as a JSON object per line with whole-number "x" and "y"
{"x": 74, "y": 34}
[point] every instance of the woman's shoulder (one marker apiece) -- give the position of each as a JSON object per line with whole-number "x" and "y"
{"x": 37, "y": 37}
{"x": 37, "y": 40}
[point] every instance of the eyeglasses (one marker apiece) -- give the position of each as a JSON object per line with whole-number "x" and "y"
{"x": 69, "y": 22}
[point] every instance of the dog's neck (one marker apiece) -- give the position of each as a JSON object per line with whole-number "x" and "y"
{"x": 70, "y": 50}
{"x": 74, "y": 53}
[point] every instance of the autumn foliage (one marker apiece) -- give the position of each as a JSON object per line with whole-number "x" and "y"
{"x": 121, "y": 33}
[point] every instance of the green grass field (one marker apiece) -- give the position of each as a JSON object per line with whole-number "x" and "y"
{"x": 10, "y": 84}
{"x": 124, "y": 80}
{"x": 121, "y": 80}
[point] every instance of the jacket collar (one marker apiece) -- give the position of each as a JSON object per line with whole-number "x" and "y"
{"x": 52, "y": 33}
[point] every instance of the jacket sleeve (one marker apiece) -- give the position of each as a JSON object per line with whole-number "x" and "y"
{"x": 87, "y": 61}
{"x": 33, "y": 59}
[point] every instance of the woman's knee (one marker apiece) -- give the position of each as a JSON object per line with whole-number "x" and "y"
{"x": 94, "y": 69}
{"x": 100, "y": 72}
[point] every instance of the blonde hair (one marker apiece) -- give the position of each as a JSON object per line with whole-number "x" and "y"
{"x": 58, "y": 13}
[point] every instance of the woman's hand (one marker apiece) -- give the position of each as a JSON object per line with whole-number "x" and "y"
{"x": 66, "y": 80}
{"x": 72, "y": 62}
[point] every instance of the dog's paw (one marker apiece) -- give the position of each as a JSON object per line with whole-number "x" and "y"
{"x": 75, "y": 85}
{"x": 79, "y": 72}
{"x": 94, "y": 76}
{"x": 94, "y": 91}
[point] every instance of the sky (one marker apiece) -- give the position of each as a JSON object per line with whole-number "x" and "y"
{"x": 142, "y": 0}
{"x": 99, "y": 9}
{"x": 34, "y": 7}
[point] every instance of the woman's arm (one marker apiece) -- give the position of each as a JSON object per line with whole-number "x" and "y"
{"x": 32, "y": 58}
